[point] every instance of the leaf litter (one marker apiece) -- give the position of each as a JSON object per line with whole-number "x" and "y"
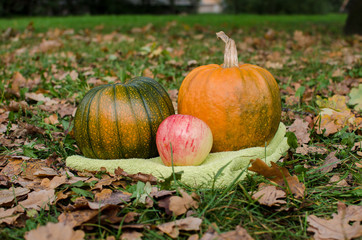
{"x": 82, "y": 198}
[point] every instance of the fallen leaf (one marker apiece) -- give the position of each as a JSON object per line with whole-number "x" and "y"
{"x": 278, "y": 175}
{"x": 336, "y": 102}
{"x": 54, "y": 183}
{"x": 137, "y": 177}
{"x": 103, "y": 195}
{"x": 305, "y": 149}
{"x": 130, "y": 217}
{"x": 78, "y": 217}
{"x": 39, "y": 97}
{"x": 9, "y": 216}
{"x": 47, "y": 46}
{"x": 179, "y": 205}
{"x": 52, "y": 119}
{"x": 338, "y": 73}
{"x": 330, "y": 162}
{"x": 340, "y": 226}
{"x": 337, "y": 180}
{"x": 131, "y": 235}
{"x": 238, "y": 234}
{"x": 269, "y": 195}
{"x": 114, "y": 198}
{"x": 8, "y": 195}
{"x": 356, "y": 98}
{"x": 45, "y": 172}
{"x": 18, "y": 81}
{"x": 330, "y": 121}
{"x": 187, "y": 224}
{"x": 300, "y": 128}
{"x": 55, "y": 231}
{"x": 39, "y": 199}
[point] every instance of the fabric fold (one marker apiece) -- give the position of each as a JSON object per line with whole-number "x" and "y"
{"x": 235, "y": 164}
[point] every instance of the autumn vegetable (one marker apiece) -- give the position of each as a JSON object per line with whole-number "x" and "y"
{"x": 183, "y": 140}
{"x": 120, "y": 120}
{"x": 239, "y": 102}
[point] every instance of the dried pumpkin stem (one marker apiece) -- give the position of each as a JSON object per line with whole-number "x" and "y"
{"x": 230, "y": 54}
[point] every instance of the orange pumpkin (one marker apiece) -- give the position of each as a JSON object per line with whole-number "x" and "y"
{"x": 240, "y": 102}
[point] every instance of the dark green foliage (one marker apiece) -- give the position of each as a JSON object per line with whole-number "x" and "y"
{"x": 283, "y": 6}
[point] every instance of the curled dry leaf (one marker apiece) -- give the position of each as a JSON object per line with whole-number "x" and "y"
{"x": 54, "y": 183}
{"x": 9, "y": 216}
{"x": 238, "y": 234}
{"x": 269, "y": 195}
{"x": 45, "y": 172}
{"x": 78, "y": 217}
{"x": 137, "y": 177}
{"x": 55, "y": 231}
{"x": 278, "y": 175}
{"x": 330, "y": 162}
{"x": 179, "y": 205}
{"x": 113, "y": 198}
{"x": 38, "y": 200}
{"x": 346, "y": 224}
{"x": 8, "y": 195}
{"x": 187, "y": 224}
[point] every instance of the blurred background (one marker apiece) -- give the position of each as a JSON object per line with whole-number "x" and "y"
{"x": 10, "y": 8}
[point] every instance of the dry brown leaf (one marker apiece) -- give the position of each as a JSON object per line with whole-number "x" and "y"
{"x": 340, "y": 226}
{"x": 305, "y": 149}
{"x": 39, "y": 97}
{"x": 238, "y": 234}
{"x": 337, "y": 180}
{"x": 45, "y": 172}
{"x": 54, "y": 183}
{"x": 131, "y": 235}
{"x": 105, "y": 181}
{"x": 8, "y": 195}
{"x": 330, "y": 162}
{"x": 78, "y": 217}
{"x": 269, "y": 195}
{"x": 9, "y": 216}
{"x": 130, "y": 217}
{"x": 179, "y": 205}
{"x": 17, "y": 82}
{"x": 114, "y": 198}
{"x": 273, "y": 173}
{"x": 103, "y": 195}
{"x": 279, "y": 175}
{"x": 147, "y": 73}
{"x": 47, "y": 46}
{"x": 39, "y": 199}
{"x": 52, "y": 119}
{"x": 137, "y": 177}
{"x": 55, "y": 231}
{"x": 300, "y": 128}
{"x": 187, "y": 224}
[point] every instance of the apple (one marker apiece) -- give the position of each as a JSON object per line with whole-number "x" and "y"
{"x": 190, "y": 137}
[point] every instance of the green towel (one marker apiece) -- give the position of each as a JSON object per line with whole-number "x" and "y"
{"x": 194, "y": 176}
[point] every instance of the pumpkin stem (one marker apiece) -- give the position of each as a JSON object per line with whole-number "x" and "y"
{"x": 230, "y": 54}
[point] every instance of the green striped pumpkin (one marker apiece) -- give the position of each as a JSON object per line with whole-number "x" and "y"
{"x": 116, "y": 121}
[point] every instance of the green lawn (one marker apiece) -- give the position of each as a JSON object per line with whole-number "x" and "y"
{"x": 126, "y": 22}
{"x": 61, "y": 58}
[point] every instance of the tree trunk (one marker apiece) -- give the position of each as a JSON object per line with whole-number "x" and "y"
{"x": 354, "y": 20}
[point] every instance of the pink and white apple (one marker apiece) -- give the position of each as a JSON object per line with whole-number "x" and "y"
{"x": 190, "y": 137}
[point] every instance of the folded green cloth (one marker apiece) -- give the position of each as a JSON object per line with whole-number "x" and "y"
{"x": 234, "y": 163}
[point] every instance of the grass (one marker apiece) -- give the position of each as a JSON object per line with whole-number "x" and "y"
{"x": 126, "y": 59}
{"x": 127, "y": 22}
